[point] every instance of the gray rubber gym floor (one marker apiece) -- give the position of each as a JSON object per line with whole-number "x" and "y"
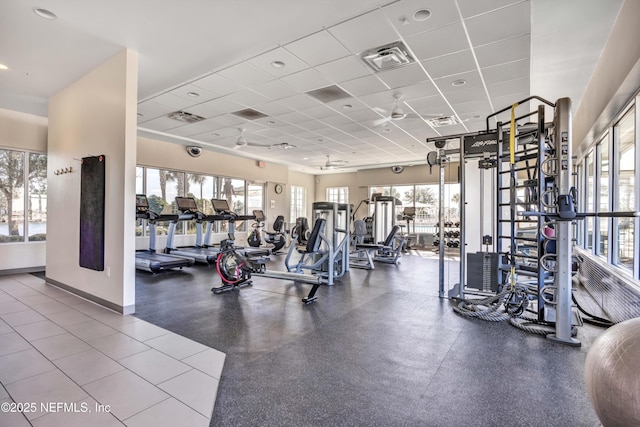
{"x": 377, "y": 349}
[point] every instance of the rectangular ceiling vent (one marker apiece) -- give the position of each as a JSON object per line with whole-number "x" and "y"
{"x": 443, "y": 121}
{"x": 387, "y": 57}
{"x": 183, "y": 116}
{"x": 249, "y": 114}
{"x": 328, "y": 94}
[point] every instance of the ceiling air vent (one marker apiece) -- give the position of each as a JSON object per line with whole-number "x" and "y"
{"x": 328, "y": 94}
{"x": 443, "y": 121}
{"x": 387, "y": 57}
{"x": 249, "y": 114}
{"x": 183, "y": 116}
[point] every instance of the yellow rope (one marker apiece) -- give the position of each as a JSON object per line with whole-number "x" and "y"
{"x": 512, "y": 135}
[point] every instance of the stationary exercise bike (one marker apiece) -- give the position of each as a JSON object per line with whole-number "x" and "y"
{"x": 258, "y": 236}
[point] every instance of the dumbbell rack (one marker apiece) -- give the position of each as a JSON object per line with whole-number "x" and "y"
{"x": 451, "y": 235}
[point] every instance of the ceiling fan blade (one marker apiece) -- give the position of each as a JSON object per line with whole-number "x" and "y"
{"x": 382, "y": 121}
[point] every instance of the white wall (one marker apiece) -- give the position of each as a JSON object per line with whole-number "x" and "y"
{"x": 95, "y": 115}
{"x": 24, "y": 132}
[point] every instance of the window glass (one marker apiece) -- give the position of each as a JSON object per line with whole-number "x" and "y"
{"x": 37, "y": 225}
{"x": 298, "y": 203}
{"x": 603, "y": 196}
{"x": 589, "y": 199}
{"x": 162, "y": 188}
{"x": 338, "y": 194}
{"x": 234, "y": 191}
{"x": 255, "y": 199}
{"x": 624, "y": 190}
{"x": 11, "y": 196}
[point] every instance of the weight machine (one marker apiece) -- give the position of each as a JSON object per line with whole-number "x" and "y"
{"x": 529, "y": 170}
{"x": 331, "y": 258}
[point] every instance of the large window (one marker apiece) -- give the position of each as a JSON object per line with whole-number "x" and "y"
{"x": 603, "y": 196}
{"x": 23, "y": 196}
{"x": 624, "y": 190}
{"x": 338, "y": 194}
{"x": 590, "y": 175}
{"x": 298, "y": 203}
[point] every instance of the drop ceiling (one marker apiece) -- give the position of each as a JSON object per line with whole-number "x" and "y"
{"x": 213, "y": 59}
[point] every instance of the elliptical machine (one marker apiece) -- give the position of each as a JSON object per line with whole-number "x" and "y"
{"x": 258, "y": 235}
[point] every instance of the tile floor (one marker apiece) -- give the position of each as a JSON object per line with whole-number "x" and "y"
{"x": 59, "y": 350}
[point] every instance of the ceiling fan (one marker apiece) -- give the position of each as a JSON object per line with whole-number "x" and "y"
{"x": 333, "y": 164}
{"x": 242, "y": 142}
{"x": 397, "y": 113}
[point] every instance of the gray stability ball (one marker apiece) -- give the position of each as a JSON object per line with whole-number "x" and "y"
{"x": 612, "y": 375}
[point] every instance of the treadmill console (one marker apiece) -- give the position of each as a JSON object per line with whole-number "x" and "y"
{"x": 221, "y": 206}
{"x": 142, "y": 204}
{"x": 186, "y": 205}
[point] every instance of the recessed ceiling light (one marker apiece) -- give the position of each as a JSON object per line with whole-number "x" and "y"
{"x": 305, "y": 158}
{"x": 460, "y": 82}
{"x": 44, "y": 13}
{"x": 140, "y": 114}
{"x": 320, "y": 140}
{"x": 215, "y": 134}
{"x": 477, "y": 116}
{"x": 421, "y": 15}
{"x": 277, "y": 64}
{"x": 347, "y": 106}
{"x": 271, "y": 122}
{"x": 194, "y": 94}
{"x": 3, "y": 67}
{"x": 386, "y": 130}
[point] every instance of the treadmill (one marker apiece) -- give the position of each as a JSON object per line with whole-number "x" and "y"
{"x": 148, "y": 259}
{"x": 200, "y": 252}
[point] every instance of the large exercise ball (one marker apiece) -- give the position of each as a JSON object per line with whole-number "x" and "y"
{"x": 612, "y": 375}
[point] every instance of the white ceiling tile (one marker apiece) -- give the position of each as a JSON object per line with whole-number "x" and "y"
{"x": 151, "y": 110}
{"x": 174, "y": 101}
{"x": 407, "y": 75}
{"x": 508, "y": 88}
{"x": 245, "y": 74}
{"x": 291, "y": 63}
{"x": 223, "y": 105}
{"x": 472, "y": 79}
{"x": 312, "y": 125}
{"x": 275, "y": 89}
{"x": 336, "y": 119}
{"x": 465, "y": 109}
{"x": 441, "y": 41}
{"x": 443, "y": 12}
{"x": 466, "y": 95}
{"x": 318, "y": 112}
{"x": 420, "y": 90}
{"x": 247, "y": 97}
{"x": 475, "y": 7}
{"x": 512, "y": 21}
{"x": 190, "y": 130}
{"x": 224, "y": 121}
{"x": 317, "y": 48}
{"x": 364, "y": 85}
{"x": 162, "y": 124}
{"x": 362, "y": 115}
{"x": 203, "y": 110}
{"x": 343, "y": 69}
{"x": 306, "y": 80}
{"x": 448, "y": 65}
{"x": 451, "y": 130}
{"x": 293, "y": 117}
{"x": 299, "y": 102}
{"x": 504, "y": 51}
{"x": 430, "y": 105}
{"x": 508, "y": 71}
{"x": 184, "y": 91}
{"x": 215, "y": 83}
{"x": 367, "y": 31}
{"x": 273, "y": 108}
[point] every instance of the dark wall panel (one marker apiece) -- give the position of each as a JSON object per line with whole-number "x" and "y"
{"x": 92, "y": 205}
